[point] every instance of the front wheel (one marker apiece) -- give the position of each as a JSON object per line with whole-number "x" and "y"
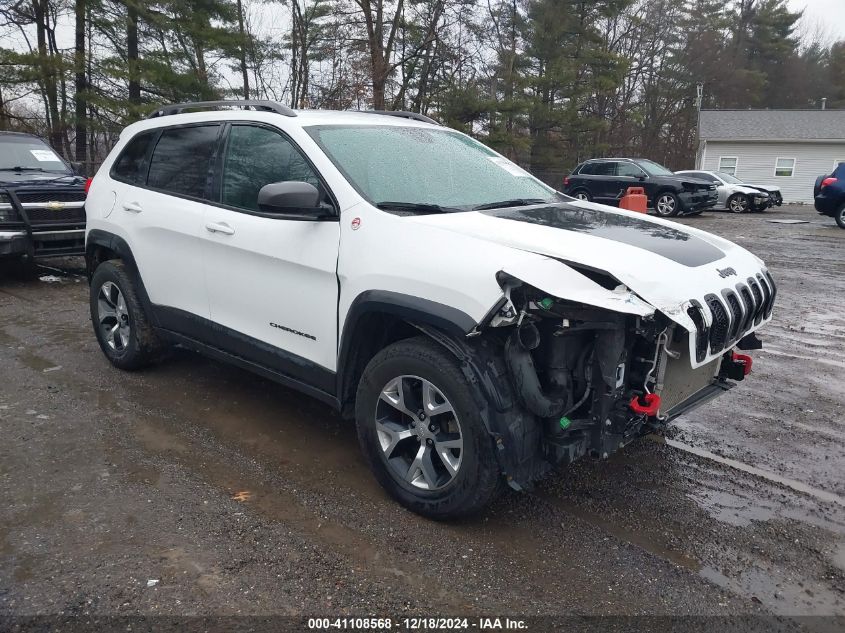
{"x": 738, "y": 203}
{"x": 667, "y": 204}
{"x": 421, "y": 433}
{"x": 840, "y": 217}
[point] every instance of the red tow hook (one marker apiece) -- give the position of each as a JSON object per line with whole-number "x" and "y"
{"x": 744, "y": 360}
{"x": 647, "y": 404}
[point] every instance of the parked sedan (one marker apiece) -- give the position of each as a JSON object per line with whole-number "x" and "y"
{"x": 735, "y": 195}
{"x": 606, "y": 180}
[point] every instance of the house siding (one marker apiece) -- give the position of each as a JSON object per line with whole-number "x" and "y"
{"x": 756, "y": 163}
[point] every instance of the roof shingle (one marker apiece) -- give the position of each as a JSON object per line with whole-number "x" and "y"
{"x": 772, "y": 125}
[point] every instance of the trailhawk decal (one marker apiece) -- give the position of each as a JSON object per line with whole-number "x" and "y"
{"x": 666, "y": 241}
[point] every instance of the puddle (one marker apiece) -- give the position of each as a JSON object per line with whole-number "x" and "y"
{"x": 733, "y": 509}
{"x": 773, "y": 589}
{"x": 821, "y": 495}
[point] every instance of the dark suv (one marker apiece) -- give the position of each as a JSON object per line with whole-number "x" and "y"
{"x": 605, "y": 180}
{"x": 42, "y": 200}
{"x": 830, "y": 195}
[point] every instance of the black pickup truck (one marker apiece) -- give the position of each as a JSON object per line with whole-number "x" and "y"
{"x": 42, "y": 200}
{"x": 605, "y": 180}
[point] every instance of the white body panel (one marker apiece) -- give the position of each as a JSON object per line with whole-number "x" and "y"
{"x": 164, "y": 232}
{"x": 274, "y": 271}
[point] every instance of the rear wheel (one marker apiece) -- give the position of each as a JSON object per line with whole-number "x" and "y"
{"x": 420, "y": 431}
{"x": 738, "y": 203}
{"x": 582, "y": 194}
{"x": 840, "y": 217}
{"x": 120, "y": 323}
{"x": 666, "y": 204}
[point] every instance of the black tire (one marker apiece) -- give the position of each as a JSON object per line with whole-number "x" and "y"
{"x": 840, "y": 217}
{"x": 142, "y": 345}
{"x": 478, "y": 479}
{"x": 672, "y": 204}
{"x": 582, "y": 194}
{"x": 739, "y": 203}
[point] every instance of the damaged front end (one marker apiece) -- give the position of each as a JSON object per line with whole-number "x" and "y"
{"x": 593, "y": 378}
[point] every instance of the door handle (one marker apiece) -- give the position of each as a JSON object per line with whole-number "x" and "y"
{"x": 133, "y": 207}
{"x": 220, "y": 227}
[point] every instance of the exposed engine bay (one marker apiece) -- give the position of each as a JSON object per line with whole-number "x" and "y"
{"x": 596, "y": 379}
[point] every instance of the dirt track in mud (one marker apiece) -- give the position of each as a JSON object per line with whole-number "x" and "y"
{"x": 195, "y": 488}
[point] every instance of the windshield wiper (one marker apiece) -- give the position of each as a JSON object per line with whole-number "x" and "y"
{"x": 414, "y": 207}
{"x": 517, "y": 202}
{"x": 22, "y": 169}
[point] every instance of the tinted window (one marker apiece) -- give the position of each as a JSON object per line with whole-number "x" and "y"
{"x": 130, "y": 166}
{"x": 599, "y": 168}
{"x": 257, "y": 156}
{"x": 181, "y": 159}
{"x": 628, "y": 170}
{"x": 605, "y": 169}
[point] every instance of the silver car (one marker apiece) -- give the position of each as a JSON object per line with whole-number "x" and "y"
{"x": 735, "y": 195}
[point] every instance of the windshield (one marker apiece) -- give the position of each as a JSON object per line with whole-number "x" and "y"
{"x": 728, "y": 178}
{"x": 419, "y": 166}
{"x": 654, "y": 169}
{"x": 29, "y": 154}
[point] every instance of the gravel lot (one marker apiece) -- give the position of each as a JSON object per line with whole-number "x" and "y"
{"x": 199, "y": 489}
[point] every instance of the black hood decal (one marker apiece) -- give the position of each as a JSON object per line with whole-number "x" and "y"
{"x": 666, "y": 241}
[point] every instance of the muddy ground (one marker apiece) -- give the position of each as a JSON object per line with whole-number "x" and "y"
{"x": 195, "y": 488}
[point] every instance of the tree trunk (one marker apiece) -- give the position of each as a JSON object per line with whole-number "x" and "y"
{"x": 132, "y": 59}
{"x": 48, "y": 77}
{"x": 80, "y": 101}
{"x": 243, "y": 49}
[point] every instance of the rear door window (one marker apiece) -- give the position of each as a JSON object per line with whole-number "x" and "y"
{"x": 130, "y": 166}
{"x": 181, "y": 160}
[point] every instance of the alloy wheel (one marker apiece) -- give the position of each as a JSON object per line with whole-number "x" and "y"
{"x": 665, "y": 205}
{"x": 113, "y": 316}
{"x": 739, "y": 204}
{"x": 582, "y": 196}
{"x": 419, "y": 433}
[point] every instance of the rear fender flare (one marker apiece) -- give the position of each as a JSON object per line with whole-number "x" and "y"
{"x": 118, "y": 245}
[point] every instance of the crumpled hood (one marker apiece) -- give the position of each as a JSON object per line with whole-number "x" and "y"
{"x": 664, "y": 263}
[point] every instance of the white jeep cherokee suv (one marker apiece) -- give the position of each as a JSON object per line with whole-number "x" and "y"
{"x": 480, "y": 327}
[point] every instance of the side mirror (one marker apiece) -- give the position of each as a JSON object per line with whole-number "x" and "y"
{"x": 641, "y": 177}
{"x": 291, "y": 198}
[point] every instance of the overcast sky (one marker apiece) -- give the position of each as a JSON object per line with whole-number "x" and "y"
{"x": 828, "y": 15}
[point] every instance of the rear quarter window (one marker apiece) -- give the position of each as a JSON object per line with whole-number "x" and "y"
{"x": 130, "y": 166}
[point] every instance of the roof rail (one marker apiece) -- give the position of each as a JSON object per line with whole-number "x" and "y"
{"x": 416, "y": 116}
{"x": 265, "y": 106}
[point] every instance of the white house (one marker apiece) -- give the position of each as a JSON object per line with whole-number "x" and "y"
{"x": 787, "y": 148}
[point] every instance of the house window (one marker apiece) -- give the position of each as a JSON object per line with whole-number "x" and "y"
{"x": 785, "y": 167}
{"x": 727, "y": 164}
